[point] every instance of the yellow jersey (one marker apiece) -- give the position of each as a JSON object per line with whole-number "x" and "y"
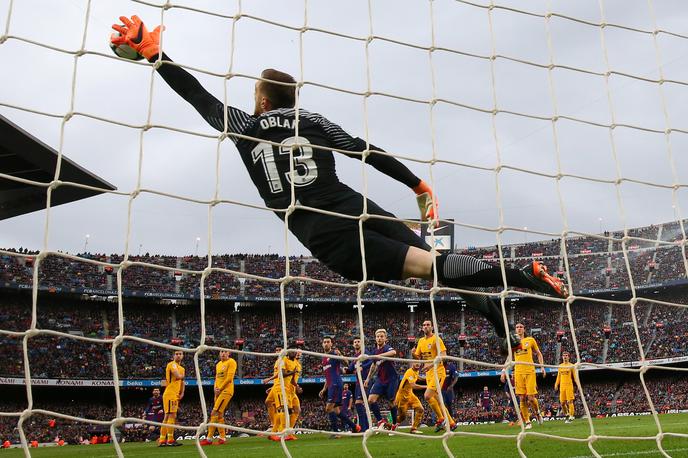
{"x": 174, "y": 385}
{"x": 524, "y": 354}
{"x": 224, "y": 375}
{"x": 297, "y": 374}
{"x": 427, "y": 349}
{"x": 565, "y": 374}
{"x": 289, "y": 366}
{"x": 405, "y": 386}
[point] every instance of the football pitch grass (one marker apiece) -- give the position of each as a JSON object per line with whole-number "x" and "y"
{"x": 502, "y": 444}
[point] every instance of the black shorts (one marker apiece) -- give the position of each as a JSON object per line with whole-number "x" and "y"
{"x": 335, "y": 241}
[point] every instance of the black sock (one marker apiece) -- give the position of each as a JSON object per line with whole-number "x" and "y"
{"x": 488, "y": 308}
{"x": 458, "y": 270}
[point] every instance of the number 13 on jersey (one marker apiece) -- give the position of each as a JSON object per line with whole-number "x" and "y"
{"x": 305, "y": 168}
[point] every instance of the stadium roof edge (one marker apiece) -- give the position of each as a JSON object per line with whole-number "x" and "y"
{"x": 24, "y": 156}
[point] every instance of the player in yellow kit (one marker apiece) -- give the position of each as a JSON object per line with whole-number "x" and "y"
{"x": 427, "y": 350}
{"x": 566, "y": 377}
{"x": 406, "y": 399}
{"x": 270, "y": 399}
{"x": 293, "y": 390}
{"x": 275, "y": 394}
{"x": 524, "y": 375}
{"x": 224, "y": 390}
{"x": 174, "y": 392}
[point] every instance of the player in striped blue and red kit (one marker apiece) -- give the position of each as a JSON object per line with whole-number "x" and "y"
{"x": 332, "y": 390}
{"x": 448, "y": 387}
{"x": 386, "y": 379}
{"x": 359, "y": 390}
{"x": 485, "y": 400}
{"x": 154, "y": 410}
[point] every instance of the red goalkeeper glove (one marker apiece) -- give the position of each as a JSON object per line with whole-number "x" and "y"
{"x": 134, "y": 34}
{"x": 425, "y": 198}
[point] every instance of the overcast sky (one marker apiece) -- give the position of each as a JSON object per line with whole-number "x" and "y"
{"x": 37, "y": 78}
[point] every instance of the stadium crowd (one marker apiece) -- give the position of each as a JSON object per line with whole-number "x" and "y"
{"x": 650, "y": 256}
{"x": 667, "y": 392}
{"x": 607, "y": 330}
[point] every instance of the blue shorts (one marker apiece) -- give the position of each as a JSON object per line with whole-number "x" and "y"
{"x": 448, "y": 396}
{"x": 358, "y": 393}
{"x": 155, "y": 417}
{"x": 388, "y": 390}
{"x": 334, "y": 394}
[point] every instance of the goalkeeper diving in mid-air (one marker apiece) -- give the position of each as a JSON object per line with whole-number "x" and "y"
{"x": 277, "y": 159}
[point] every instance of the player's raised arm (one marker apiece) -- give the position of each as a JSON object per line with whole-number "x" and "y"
{"x": 134, "y": 33}
{"x": 384, "y": 163}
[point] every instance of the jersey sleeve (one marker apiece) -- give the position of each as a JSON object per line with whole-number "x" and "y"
{"x": 536, "y": 348}
{"x": 442, "y": 346}
{"x": 208, "y": 106}
{"x": 416, "y": 351}
{"x": 384, "y": 163}
{"x": 231, "y": 370}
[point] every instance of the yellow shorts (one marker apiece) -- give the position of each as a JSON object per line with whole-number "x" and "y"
{"x": 275, "y": 398}
{"x": 293, "y": 400}
{"x": 430, "y": 378}
{"x": 170, "y": 404}
{"x": 221, "y": 402}
{"x": 407, "y": 401}
{"x": 525, "y": 383}
{"x": 566, "y": 393}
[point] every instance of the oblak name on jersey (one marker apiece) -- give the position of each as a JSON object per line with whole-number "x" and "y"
{"x": 275, "y": 121}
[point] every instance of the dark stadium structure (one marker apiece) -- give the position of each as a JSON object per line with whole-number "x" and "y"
{"x": 24, "y": 156}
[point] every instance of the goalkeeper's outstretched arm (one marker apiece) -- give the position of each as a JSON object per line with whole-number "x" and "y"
{"x": 134, "y": 33}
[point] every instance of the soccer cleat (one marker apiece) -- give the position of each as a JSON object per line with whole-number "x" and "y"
{"x": 174, "y": 443}
{"x": 162, "y": 444}
{"x": 206, "y": 442}
{"x": 529, "y": 425}
{"x": 335, "y": 436}
{"x": 571, "y": 418}
{"x": 382, "y": 424}
{"x": 540, "y": 419}
{"x": 290, "y": 437}
{"x": 439, "y": 425}
{"x": 394, "y": 426}
{"x": 567, "y": 421}
{"x": 357, "y": 429}
{"x": 274, "y": 438}
{"x": 219, "y": 442}
{"x": 540, "y": 280}
{"x": 415, "y": 431}
{"x": 453, "y": 426}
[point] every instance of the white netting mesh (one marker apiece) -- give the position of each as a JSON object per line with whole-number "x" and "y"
{"x": 612, "y": 126}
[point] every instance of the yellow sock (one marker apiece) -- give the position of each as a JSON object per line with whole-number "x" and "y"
{"x": 435, "y": 406}
{"x": 524, "y": 411}
{"x": 211, "y": 429}
{"x": 223, "y": 431}
{"x": 279, "y": 422}
{"x": 401, "y": 415}
{"x": 293, "y": 418}
{"x": 170, "y": 429}
{"x": 572, "y": 409}
{"x": 163, "y": 432}
{"x": 536, "y": 405}
{"x": 271, "y": 414}
{"x": 448, "y": 417}
{"x": 418, "y": 417}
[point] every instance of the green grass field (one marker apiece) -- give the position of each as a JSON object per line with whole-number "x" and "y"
{"x": 502, "y": 444}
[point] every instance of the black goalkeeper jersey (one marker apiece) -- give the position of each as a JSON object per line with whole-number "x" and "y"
{"x": 265, "y": 142}
{"x": 274, "y": 163}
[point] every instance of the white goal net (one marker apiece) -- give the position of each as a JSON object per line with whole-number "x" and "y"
{"x": 535, "y": 121}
